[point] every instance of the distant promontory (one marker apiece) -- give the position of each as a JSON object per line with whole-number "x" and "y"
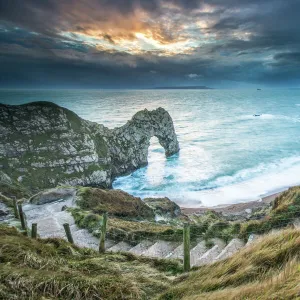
{"x": 188, "y": 87}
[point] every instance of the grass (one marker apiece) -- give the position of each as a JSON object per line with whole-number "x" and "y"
{"x": 129, "y": 219}
{"x": 53, "y": 269}
{"x": 207, "y": 226}
{"x": 285, "y": 209}
{"x": 14, "y": 189}
{"x": 269, "y": 269}
{"x": 120, "y": 229}
{"x": 163, "y": 206}
{"x": 115, "y": 202}
{"x": 213, "y": 225}
{"x": 283, "y": 212}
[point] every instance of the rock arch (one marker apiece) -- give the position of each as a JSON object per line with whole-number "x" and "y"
{"x": 130, "y": 142}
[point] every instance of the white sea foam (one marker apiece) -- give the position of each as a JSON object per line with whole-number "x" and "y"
{"x": 261, "y": 169}
{"x": 246, "y": 185}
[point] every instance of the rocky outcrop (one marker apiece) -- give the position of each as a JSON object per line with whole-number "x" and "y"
{"x": 11, "y": 188}
{"x": 164, "y": 207}
{"x": 116, "y": 202}
{"x": 51, "y": 195}
{"x": 44, "y": 145}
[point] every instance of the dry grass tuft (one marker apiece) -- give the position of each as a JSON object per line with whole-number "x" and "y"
{"x": 51, "y": 268}
{"x": 269, "y": 269}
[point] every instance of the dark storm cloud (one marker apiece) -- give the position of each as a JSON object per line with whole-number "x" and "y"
{"x": 47, "y": 42}
{"x": 290, "y": 59}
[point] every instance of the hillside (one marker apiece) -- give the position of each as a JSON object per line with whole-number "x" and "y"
{"x": 52, "y": 268}
{"x": 269, "y": 269}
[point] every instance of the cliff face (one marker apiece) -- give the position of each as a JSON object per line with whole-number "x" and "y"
{"x": 43, "y": 145}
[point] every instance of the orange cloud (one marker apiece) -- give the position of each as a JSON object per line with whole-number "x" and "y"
{"x": 135, "y": 31}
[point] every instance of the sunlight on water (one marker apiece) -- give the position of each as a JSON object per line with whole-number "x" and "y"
{"x": 157, "y": 163}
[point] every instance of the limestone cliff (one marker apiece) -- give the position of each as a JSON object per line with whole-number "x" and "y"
{"x": 44, "y": 145}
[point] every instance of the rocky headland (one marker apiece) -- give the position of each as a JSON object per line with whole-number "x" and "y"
{"x": 44, "y": 145}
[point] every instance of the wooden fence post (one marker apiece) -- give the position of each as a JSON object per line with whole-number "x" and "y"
{"x": 186, "y": 247}
{"x": 23, "y": 224}
{"x": 34, "y": 230}
{"x": 103, "y": 233}
{"x": 68, "y": 233}
{"x": 15, "y": 205}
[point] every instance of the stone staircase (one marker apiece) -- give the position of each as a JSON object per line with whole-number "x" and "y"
{"x": 51, "y": 217}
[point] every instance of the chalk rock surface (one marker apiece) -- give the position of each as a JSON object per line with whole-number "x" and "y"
{"x": 43, "y": 145}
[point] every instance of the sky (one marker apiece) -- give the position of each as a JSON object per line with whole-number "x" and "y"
{"x": 149, "y": 43}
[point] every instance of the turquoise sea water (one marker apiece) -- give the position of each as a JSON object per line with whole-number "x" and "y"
{"x": 227, "y": 155}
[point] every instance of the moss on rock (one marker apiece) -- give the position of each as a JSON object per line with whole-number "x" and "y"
{"x": 285, "y": 209}
{"x": 129, "y": 230}
{"x": 10, "y": 188}
{"x": 283, "y": 212}
{"x": 115, "y": 202}
{"x": 163, "y": 206}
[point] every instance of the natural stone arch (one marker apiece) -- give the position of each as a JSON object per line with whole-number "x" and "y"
{"x": 130, "y": 142}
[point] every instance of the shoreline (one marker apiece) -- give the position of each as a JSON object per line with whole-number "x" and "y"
{"x": 235, "y": 208}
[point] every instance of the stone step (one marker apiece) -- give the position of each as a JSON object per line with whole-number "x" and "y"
{"x": 197, "y": 252}
{"x": 120, "y": 247}
{"x": 33, "y": 213}
{"x": 83, "y": 238}
{"x": 5, "y": 212}
{"x": 47, "y": 227}
{"x": 160, "y": 249}
{"x": 64, "y": 217}
{"x": 210, "y": 255}
{"x": 252, "y": 237}
{"x": 219, "y": 242}
{"x": 234, "y": 246}
{"x": 108, "y": 243}
{"x": 141, "y": 247}
{"x": 296, "y": 223}
{"x": 57, "y": 206}
{"x": 177, "y": 253}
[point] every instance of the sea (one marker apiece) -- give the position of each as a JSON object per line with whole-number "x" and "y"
{"x": 235, "y": 145}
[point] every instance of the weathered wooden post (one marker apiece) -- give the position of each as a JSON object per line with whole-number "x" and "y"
{"x": 68, "y": 233}
{"x": 186, "y": 247}
{"x": 34, "y": 230}
{"x": 22, "y": 218}
{"x": 103, "y": 233}
{"x": 15, "y": 205}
